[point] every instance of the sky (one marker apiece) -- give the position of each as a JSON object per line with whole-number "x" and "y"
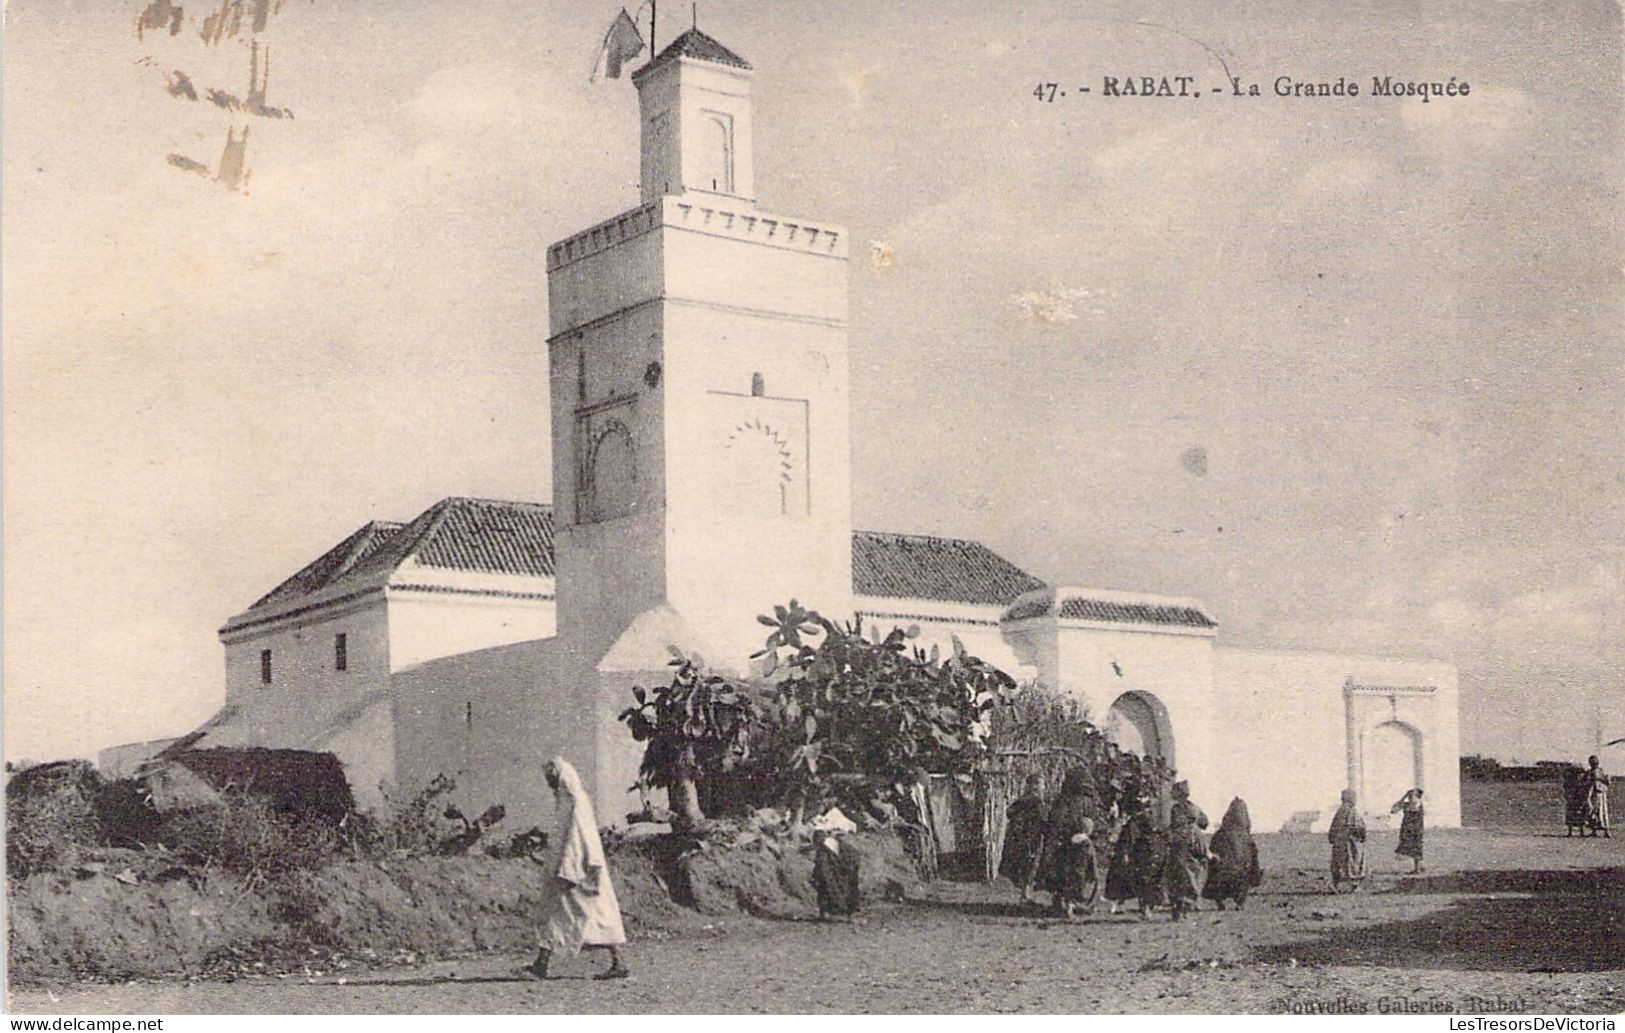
{"x": 1347, "y": 369}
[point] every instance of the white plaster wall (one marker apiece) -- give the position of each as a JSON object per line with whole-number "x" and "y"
{"x": 427, "y": 625}
{"x": 686, "y": 90}
{"x": 1036, "y": 643}
{"x": 123, "y": 761}
{"x": 720, "y": 251}
{"x": 365, "y": 744}
{"x": 741, "y": 307}
{"x": 1175, "y": 668}
{"x": 489, "y": 720}
{"x": 622, "y": 275}
{"x": 617, "y": 755}
{"x": 1285, "y": 736}
{"x": 608, "y": 571}
{"x": 305, "y": 693}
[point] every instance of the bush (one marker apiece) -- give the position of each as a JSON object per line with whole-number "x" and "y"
{"x": 842, "y": 718}
{"x": 244, "y": 833}
{"x": 128, "y": 818}
{"x": 1037, "y": 733}
{"x": 51, "y": 816}
{"x": 420, "y": 825}
{"x": 855, "y": 720}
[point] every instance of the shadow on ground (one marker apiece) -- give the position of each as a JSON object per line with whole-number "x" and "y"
{"x": 1508, "y": 921}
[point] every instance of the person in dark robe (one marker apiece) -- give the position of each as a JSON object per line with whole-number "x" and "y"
{"x": 836, "y": 870}
{"x": 1147, "y": 855}
{"x": 1185, "y": 874}
{"x": 1575, "y": 804}
{"x": 1233, "y": 871}
{"x": 1069, "y": 835}
{"x": 1347, "y": 837}
{"x": 1023, "y": 832}
{"x": 1409, "y": 808}
{"x": 1120, "y": 885}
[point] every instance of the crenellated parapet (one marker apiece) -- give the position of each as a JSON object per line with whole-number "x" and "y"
{"x": 701, "y": 213}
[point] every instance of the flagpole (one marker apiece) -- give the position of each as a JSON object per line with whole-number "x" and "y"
{"x": 651, "y": 30}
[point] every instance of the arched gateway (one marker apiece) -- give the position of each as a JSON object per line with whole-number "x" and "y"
{"x": 1138, "y": 722}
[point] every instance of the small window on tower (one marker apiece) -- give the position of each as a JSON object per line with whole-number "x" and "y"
{"x": 265, "y": 667}
{"x": 581, "y": 375}
{"x": 341, "y": 652}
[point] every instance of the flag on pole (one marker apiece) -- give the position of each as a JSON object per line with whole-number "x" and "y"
{"x": 622, "y": 42}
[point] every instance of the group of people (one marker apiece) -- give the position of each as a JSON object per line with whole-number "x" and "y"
{"x": 1347, "y": 837}
{"x": 1158, "y": 856}
{"x": 1585, "y": 799}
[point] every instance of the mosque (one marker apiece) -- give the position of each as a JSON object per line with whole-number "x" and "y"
{"x": 701, "y": 474}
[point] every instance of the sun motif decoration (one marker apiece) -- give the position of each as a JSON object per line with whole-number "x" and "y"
{"x": 757, "y": 449}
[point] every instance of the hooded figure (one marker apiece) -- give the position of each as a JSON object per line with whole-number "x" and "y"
{"x": 1347, "y": 837}
{"x": 579, "y": 908}
{"x": 1576, "y": 802}
{"x": 1023, "y": 829}
{"x": 1069, "y": 831}
{"x": 1119, "y": 875}
{"x": 1138, "y": 860}
{"x": 1234, "y": 870}
{"x": 836, "y": 866}
{"x": 1185, "y": 874}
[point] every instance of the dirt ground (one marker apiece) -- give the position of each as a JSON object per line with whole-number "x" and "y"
{"x": 1498, "y": 922}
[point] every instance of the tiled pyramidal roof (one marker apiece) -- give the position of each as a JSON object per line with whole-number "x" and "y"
{"x": 482, "y": 535}
{"x": 696, "y": 44}
{"x": 916, "y": 566}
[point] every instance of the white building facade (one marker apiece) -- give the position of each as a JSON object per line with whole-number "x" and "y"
{"x": 701, "y": 474}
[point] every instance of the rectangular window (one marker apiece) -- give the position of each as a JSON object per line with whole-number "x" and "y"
{"x": 341, "y": 652}
{"x": 265, "y": 667}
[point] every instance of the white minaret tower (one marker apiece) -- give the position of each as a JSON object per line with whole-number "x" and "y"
{"x": 701, "y": 451}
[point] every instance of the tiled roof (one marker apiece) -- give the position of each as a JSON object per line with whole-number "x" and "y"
{"x": 333, "y": 564}
{"x": 1135, "y": 613}
{"x": 1083, "y": 605}
{"x": 695, "y": 43}
{"x": 914, "y": 566}
{"x": 497, "y": 537}
{"x": 482, "y": 535}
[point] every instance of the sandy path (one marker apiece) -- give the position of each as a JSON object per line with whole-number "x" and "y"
{"x": 1531, "y": 923}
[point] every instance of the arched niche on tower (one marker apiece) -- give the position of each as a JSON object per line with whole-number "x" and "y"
{"x": 608, "y": 485}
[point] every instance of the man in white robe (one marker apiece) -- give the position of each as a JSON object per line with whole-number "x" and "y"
{"x": 579, "y": 908}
